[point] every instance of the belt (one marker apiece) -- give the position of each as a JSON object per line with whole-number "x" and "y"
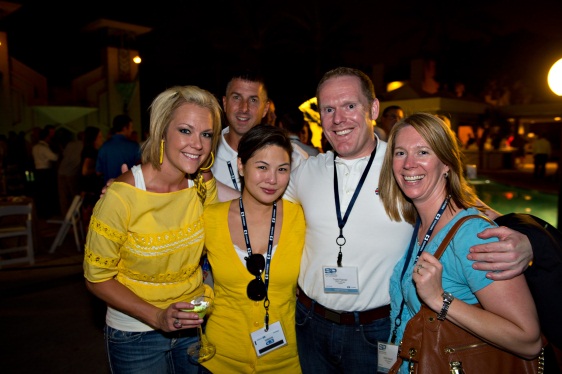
{"x": 344, "y": 318}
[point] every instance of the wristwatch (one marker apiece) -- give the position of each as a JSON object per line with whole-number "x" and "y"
{"x": 447, "y": 300}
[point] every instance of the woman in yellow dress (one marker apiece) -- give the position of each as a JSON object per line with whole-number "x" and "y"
{"x": 254, "y": 244}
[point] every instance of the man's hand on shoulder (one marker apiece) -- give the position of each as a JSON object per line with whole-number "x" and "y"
{"x": 124, "y": 169}
{"x": 505, "y": 259}
{"x": 226, "y": 193}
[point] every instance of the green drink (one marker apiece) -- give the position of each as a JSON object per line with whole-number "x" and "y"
{"x": 200, "y": 307}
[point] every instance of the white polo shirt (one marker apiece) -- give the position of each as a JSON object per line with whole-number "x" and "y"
{"x": 374, "y": 243}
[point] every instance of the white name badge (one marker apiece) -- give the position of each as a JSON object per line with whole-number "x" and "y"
{"x": 341, "y": 279}
{"x": 387, "y": 355}
{"x": 267, "y": 341}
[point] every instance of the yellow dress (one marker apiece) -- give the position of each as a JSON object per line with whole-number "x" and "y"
{"x": 235, "y": 316}
{"x": 149, "y": 242}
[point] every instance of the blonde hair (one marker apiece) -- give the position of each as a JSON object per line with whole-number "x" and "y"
{"x": 443, "y": 141}
{"x": 162, "y": 110}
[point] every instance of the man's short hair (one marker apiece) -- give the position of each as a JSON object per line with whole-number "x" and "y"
{"x": 250, "y": 76}
{"x": 120, "y": 121}
{"x": 391, "y": 107}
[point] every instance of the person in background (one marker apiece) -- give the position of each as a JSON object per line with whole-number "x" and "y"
{"x": 306, "y": 136}
{"x": 271, "y": 115}
{"x": 45, "y": 174}
{"x": 293, "y": 121}
{"x": 118, "y": 149}
{"x": 390, "y": 115}
{"x": 256, "y": 261}
{"x": 135, "y": 136}
{"x": 146, "y": 235}
{"x": 422, "y": 183}
{"x": 541, "y": 153}
{"x": 69, "y": 172}
{"x": 90, "y": 182}
{"x": 245, "y": 105}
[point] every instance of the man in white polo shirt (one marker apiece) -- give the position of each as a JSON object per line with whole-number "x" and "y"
{"x": 245, "y": 105}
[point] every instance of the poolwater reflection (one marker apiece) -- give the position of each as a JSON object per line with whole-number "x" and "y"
{"x": 507, "y": 199}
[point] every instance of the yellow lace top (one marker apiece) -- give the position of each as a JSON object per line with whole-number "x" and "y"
{"x": 149, "y": 242}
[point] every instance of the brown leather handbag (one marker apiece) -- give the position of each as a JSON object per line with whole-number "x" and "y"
{"x": 433, "y": 346}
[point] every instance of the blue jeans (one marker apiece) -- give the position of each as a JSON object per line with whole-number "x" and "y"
{"x": 327, "y": 347}
{"x": 150, "y": 351}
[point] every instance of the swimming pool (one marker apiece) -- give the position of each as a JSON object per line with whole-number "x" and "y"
{"x": 507, "y": 199}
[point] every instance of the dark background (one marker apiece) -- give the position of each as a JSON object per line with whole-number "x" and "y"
{"x": 295, "y": 42}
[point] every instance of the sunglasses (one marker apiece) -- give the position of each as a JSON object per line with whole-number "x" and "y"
{"x": 256, "y": 288}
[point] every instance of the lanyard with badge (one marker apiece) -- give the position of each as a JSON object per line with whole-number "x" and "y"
{"x": 269, "y": 337}
{"x": 388, "y": 353}
{"x": 344, "y": 279}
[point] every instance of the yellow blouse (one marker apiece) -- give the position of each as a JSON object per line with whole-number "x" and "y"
{"x": 149, "y": 242}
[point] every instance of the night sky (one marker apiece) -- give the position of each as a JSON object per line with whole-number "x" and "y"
{"x": 295, "y": 42}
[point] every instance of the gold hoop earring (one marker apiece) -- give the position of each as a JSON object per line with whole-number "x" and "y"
{"x": 161, "y": 151}
{"x": 212, "y": 162}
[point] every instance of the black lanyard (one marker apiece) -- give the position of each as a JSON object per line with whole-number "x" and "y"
{"x": 232, "y": 176}
{"x": 398, "y": 319}
{"x": 269, "y": 250}
{"x": 340, "y": 240}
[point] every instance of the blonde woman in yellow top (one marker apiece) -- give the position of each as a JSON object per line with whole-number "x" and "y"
{"x": 254, "y": 244}
{"x": 146, "y": 236}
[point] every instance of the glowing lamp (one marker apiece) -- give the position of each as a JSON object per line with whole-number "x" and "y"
{"x": 555, "y": 78}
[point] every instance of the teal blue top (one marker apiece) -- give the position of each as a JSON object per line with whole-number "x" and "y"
{"x": 459, "y": 278}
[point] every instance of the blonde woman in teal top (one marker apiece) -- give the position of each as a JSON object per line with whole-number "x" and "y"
{"x": 422, "y": 182}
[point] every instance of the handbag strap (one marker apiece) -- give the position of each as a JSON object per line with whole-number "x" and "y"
{"x": 454, "y": 230}
{"x": 437, "y": 255}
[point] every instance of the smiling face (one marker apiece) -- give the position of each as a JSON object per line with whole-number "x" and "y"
{"x": 266, "y": 174}
{"x": 188, "y": 139}
{"x": 245, "y": 104}
{"x": 346, "y": 117}
{"x": 417, "y": 169}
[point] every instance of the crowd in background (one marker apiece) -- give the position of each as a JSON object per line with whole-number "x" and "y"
{"x": 52, "y": 165}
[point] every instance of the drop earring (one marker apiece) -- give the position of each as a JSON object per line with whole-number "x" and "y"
{"x": 212, "y": 162}
{"x": 161, "y": 151}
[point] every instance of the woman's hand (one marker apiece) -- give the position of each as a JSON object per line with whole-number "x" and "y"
{"x": 427, "y": 276}
{"x": 174, "y": 318}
